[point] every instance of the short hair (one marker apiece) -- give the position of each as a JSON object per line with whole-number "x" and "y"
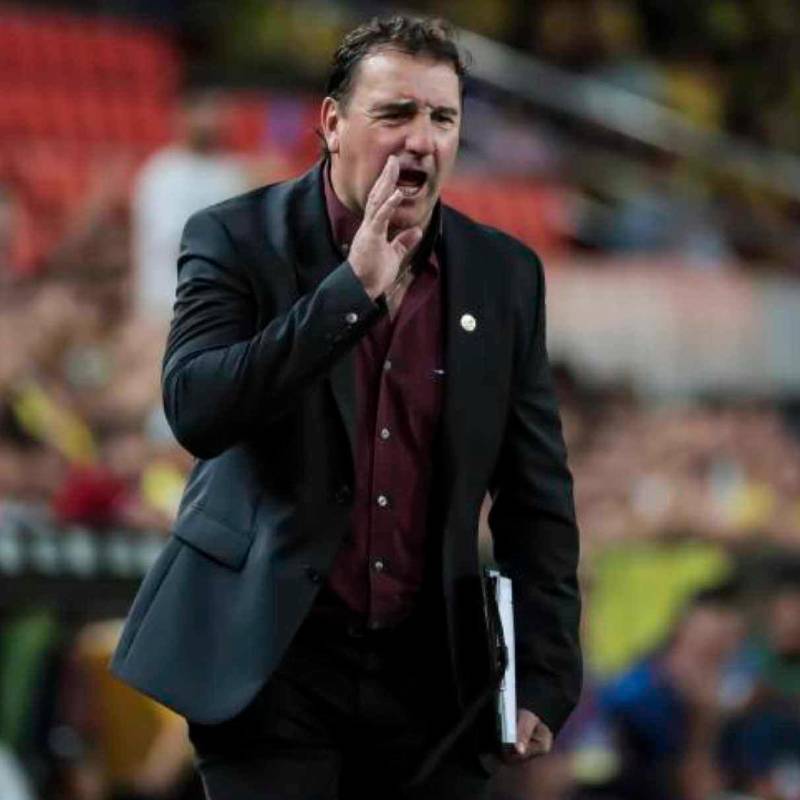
{"x": 417, "y": 36}
{"x": 726, "y": 594}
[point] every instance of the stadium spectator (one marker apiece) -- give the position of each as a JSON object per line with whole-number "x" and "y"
{"x": 759, "y": 748}
{"x": 11, "y": 257}
{"x": 191, "y": 173}
{"x": 667, "y": 709}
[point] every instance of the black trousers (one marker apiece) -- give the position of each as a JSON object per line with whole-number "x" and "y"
{"x": 349, "y": 714}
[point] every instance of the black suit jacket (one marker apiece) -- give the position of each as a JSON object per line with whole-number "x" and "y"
{"x": 259, "y": 384}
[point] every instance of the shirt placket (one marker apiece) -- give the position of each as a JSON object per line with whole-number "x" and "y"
{"x": 384, "y": 516}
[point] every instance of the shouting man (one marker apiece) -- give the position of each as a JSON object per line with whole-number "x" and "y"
{"x": 355, "y": 365}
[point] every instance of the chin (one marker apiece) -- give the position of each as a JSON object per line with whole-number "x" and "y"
{"x": 409, "y": 217}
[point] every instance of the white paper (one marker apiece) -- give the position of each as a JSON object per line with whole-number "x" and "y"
{"x": 507, "y": 696}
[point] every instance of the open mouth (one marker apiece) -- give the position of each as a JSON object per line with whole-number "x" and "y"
{"x": 411, "y": 181}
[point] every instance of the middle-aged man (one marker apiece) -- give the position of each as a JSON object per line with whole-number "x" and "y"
{"x": 354, "y": 366}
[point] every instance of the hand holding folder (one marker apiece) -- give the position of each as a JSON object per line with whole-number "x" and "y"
{"x": 520, "y": 728}
{"x": 509, "y": 721}
{"x": 499, "y": 592}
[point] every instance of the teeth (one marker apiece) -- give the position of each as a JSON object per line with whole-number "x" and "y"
{"x": 411, "y": 181}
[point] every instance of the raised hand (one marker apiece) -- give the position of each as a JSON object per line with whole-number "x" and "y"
{"x": 375, "y": 258}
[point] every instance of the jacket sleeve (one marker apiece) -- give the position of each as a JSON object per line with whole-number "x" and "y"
{"x": 221, "y": 376}
{"x": 536, "y": 536}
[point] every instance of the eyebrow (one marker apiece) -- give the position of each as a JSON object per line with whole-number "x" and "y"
{"x": 409, "y": 106}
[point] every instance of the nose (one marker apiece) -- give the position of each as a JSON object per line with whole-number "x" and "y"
{"x": 419, "y": 136}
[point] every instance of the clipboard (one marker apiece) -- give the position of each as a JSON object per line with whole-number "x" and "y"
{"x": 500, "y": 602}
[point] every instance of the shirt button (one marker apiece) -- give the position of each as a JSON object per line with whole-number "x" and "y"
{"x": 383, "y": 500}
{"x": 345, "y": 248}
{"x": 343, "y": 495}
{"x": 385, "y": 434}
{"x": 387, "y": 365}
{"x": 313, "y": 575}
{"x": 378, "y": 565}
{"x": 351, "y": 318}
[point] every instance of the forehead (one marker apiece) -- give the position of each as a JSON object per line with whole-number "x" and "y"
{"x": 715, "y": 615}
{"x": 387, "y": 75}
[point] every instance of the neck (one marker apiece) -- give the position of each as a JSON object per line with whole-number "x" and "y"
{"x": 338, "y": 188}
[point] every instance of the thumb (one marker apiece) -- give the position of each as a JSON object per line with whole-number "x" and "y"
{"x": 526, "y": 724}
{"x": 407, "y": 240}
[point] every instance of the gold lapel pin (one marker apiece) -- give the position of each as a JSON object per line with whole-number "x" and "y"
{"x": 468, "y": 323}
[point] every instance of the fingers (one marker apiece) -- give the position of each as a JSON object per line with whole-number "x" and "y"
{"x": 383, "y": 188}
{"x": 534, "y": 748}
{"x": 541, "y": 740}
{"x": 407, "y": 240}
{"x": 384, "y": 213}
{"x": 534, "y": 738}
{"x": 526, "y": 725}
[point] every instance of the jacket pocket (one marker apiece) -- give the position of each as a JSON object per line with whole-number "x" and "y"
{"x": 213, "y": 538}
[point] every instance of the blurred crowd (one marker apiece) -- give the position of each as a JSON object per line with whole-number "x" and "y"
{"x": 725, "y": 63}
{"x": 710, "y": 710}
{"x": 724, "y": 471}
{"x": 728, "y": 66}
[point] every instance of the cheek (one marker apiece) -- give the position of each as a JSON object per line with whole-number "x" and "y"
{"x": 452, "y": 150}
{"x": 367, "y": 156}
{"x": 448, "y": 150}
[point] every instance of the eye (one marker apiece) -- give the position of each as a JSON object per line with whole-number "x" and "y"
{"x": 394, "y": 116}
{"x": 443, "y": 119}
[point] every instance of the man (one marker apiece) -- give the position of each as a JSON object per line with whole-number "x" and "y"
{"x": 668, "y": 708}
{"x": 190, "y": 173}
{"x": 354, "y": 365}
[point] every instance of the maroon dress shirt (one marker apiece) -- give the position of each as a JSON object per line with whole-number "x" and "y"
{"x": 399, "y": 384}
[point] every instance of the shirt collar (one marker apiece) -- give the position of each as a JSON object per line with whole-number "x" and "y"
{"x": 345, "y": 223}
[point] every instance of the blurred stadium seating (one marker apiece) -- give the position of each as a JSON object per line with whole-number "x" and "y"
{"x": 76, "y": 92}
{"x": 79, "y": 93}
{"x": 675, "y": 346}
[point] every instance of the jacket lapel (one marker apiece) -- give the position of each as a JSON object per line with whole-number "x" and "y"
{"x": 466, "y": 329}
{"x": 311, "y": 249}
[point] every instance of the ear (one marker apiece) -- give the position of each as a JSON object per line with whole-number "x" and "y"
{"x": 330, "y": 117}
